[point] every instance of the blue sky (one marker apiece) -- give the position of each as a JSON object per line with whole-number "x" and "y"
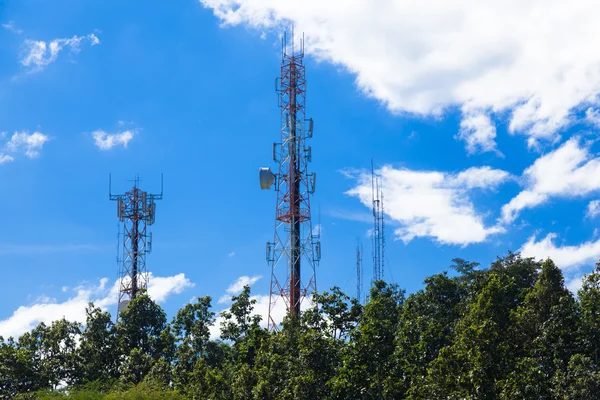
{"x": 484, "y": 138}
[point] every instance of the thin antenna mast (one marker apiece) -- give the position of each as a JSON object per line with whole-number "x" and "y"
{"x": 377, "y": 236}
{"x": 359, "y": 272}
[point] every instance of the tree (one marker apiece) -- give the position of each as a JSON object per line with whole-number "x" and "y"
{"x": 59, "y": 348}
{"x": 338, "y": 314}
{"x": 144, "y": 337}
{"x": 580, "y": 380}
{"x": 190, "y": 328}
{"x": 98, "y": 352}
{"x": 589, "y": 300}
{"x": 544, "y": 329}
{"x": 18, "y": 371}
{"x": 478, "y": 356}
{"x": 367, "y": 358}
{"x": 243, "y": 329}
{"x": 425, "y": 326}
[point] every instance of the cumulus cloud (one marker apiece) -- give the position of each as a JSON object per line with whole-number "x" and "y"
{"x": 433, "y": 204}
{"x": 237, "y": 286}
{"x": 107, "y": 141}
{"x": 5, "y": 158}
{"x": 317, "y": 229}
{"x": 568, "y": 171}
{"x": 10, "y": 26}
{"x": 565, "y": 257}
{"x": 479, "y": 177}
{"x": 593, "y": 209}
{"x": 31, "y": 144}
{"x": 161, "y": 287}
{"x": 593, "y": 117}
{"x": 479, "y": 134}
{"x": 47, "y": 310}
{"x": 532, "y": 60}
{"x": 38, "y": 54}
{"x": 574, "y": 284}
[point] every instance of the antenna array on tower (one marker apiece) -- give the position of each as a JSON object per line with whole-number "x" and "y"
{"x": 136, "y": 210}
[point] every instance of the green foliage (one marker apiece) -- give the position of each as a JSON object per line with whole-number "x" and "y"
{"x": 99, "y": 351}
{"x": 139, "y": 392}
{"x": 512, "y": 331}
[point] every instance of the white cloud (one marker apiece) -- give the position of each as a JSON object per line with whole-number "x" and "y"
{"x": 159, "y": 288}
{"x": 479, "y": 134}
{"x": 232, "y": 254}
{"x": 480, "y": 177}
{"x": 568, "y": 171}
{"x": 47, "y": 310}
{"x": 575, "y": 284}
{"x": 37, "y": 54}
{"x": 317, "y": 230}
{"x": 11, "y": 27}
{"x": 31, "y": 143}
{"x": 106, "y": 141}
{"x": 593, "y": 117}
{"x": 593, "y": 208}
{"x": 237, "y": 286}
{"x": 5, "y": 158}
{"x": 433, "y": 204}
{"x": 565, "y": 257}
{"x": 535, "y": 59}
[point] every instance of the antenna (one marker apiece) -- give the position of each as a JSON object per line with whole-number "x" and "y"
{"x": 377, "y": 236}
{"x": 359, "y": 271}
{"x": 136, "y": 210}
{"x": 382, "y": 216}
{"x": 296, "y": 250}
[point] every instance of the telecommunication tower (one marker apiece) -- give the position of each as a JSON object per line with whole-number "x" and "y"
{"x": 378, "y": 235}
{"x": 136, "y": 210}
{"x": 359, "y": 272}
{"x": 295, "y": 244}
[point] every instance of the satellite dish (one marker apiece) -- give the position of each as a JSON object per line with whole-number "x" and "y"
{"x": 267, "y": 178}
{"x": 123, "y": 305}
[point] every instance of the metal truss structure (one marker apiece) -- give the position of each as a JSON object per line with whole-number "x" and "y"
{"x": 136, "y": 210}
{"x": 295, "y": 243}
{"x": 378, "y": 234}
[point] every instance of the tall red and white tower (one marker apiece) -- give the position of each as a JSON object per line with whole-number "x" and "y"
{"x": 296, "y": 250}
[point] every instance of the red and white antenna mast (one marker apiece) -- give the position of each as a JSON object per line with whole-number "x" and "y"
{"x": 296, "y": 249}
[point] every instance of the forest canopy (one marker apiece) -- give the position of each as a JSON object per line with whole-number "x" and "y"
{"x": 511, "y": 331}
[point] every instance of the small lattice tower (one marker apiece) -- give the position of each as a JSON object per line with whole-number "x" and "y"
{"x": 378, "y": 234}
{"x": 136, "y": 210}
{"x": 359, "y": 272}
{"x": 295, "y": 252}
